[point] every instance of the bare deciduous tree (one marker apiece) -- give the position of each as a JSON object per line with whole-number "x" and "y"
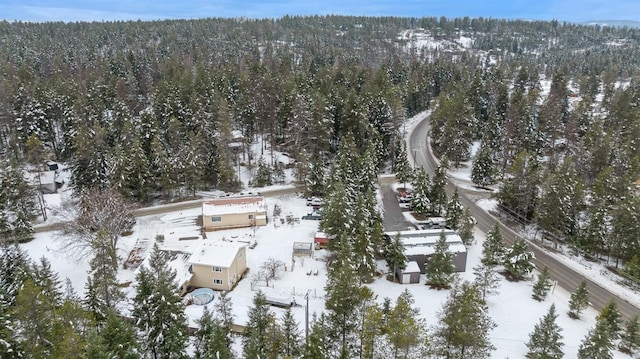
{"x": 272, "y": 267}
{"x": 98, "y": 210}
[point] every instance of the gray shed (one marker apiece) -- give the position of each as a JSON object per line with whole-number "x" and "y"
{"x": 419, "y": 246}
{"x": 303, "y": 249}
{"x": 409, "y": 275}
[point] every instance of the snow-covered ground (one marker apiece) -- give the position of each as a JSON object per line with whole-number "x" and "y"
{"x": 513, "y": 309}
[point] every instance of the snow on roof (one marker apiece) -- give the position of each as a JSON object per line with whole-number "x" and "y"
{"x": 46, "y": 177}
{"x": 323, "y": 235}
{"x": 426, "y": 234}
{"x": 216, "y": 253}
{"x": 412, "y": 267}
{"x": 423, "y": 241}
{"x": 229, "y": 205}
{"x": 302, "y": 245}
{"x": 427, "y": 249}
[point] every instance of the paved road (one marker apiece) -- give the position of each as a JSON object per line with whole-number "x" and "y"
{"x": 171, "y": 207}
{"x": 393, "y": 219}
{"x": 565, "y": 276}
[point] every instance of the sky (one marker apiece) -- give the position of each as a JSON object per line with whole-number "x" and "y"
{"x": 112, "y": 10}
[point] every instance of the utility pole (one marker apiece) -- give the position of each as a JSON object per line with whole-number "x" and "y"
{"x": 306, "y": 318}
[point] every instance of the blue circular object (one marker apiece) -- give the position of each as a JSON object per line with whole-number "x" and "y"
{"x": 202, "y": 296}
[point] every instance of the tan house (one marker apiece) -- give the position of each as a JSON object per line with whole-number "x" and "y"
{"x": 218, "y": 265}
{"x": 233, "y": 212}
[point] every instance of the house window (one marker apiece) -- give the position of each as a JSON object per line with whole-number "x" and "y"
{"x": 216, "y": 219}
{"x": 251, "y": 216}
{"x": 217, "y": 269}
{"x": 217, "y": 281}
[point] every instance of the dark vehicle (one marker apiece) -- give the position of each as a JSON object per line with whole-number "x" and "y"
{"x": 313, "y": 216}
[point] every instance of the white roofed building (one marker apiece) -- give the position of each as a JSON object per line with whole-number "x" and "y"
{"x": 218, "y": 265}
{"x": 234, "y": 212}
{"x": 420, "y": 245}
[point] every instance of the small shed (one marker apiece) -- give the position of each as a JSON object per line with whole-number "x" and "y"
{"x": 411, "y": 274}
{"x": 303, "y": 249}
{"x": 321, "y": 240}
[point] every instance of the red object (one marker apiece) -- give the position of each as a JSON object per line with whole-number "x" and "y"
{"x": 320, "y": 239}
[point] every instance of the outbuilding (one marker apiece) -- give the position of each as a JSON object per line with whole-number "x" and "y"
{"x": 409, "y": 275}
{"x": 419, "y": 246}
{"x": 321, "y": 240}
{"x": 303, "y": 249}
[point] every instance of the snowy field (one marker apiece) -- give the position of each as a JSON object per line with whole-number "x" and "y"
{"x": 513, "y": 309}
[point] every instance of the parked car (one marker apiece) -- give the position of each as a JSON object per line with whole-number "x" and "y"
{"x": 404, "y": 199}
{"x": 315, "y": 216}
{"x": 435, "y": 223}
{"x": 315, "y": 201}
{"x": 406, "y": 205}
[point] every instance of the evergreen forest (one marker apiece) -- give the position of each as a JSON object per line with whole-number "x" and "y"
{"x": 155, "y": 111}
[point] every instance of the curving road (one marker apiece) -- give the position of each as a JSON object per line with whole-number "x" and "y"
{"x": 565, "y": 276}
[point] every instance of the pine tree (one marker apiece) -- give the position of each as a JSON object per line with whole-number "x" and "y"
{"x": 116, "y": 339}
{"x": 403, "y": 169}
{"x": 35, "y": 311}
{"x": 364, "y": 246}
{"x": 138, "y": 174}
{"x": 437, "y": 193}
{"x": 342, "y": 300}
{"x": 464, "y": 325}
{"x": 452, "y": 126}
{"x": 18, "y": 208}
{"x": 611, "y": 315}
{"x": 14, "y": 269}
{"x": 630, "y": 338}
{"x": 545, "y": 342}
{"x": 158, "y": 309}
{"x": 371, "y": 331}
{"x": 519, "y": 193}
{"x": 69, "y": 327}
{"x": 440, "y": 268}
{"x": 454, "y": 211}
{"x": 394, "y": 254}
{"x": 263, "y": 176}
{"x": 224, "y": 312}
{"x": 597, "y": 344}
{"x": 162, "y": 168}
{"x": 334, "y": 215}
{"x": 579, "y": 300}
{"x": 317, "y": 346}
{"x": 517, "y": 260}
{"x": 291, "y": 338}
{"x": 315, "y": 181}
{"x": 420, "y": 196}
{"x": 404, "y": 327}
{"x": 103, "y": 291}
{"x": 467, "y": 223}
{"x": 9, "y": 342}
{"x": 486, "y": 279}
{"x": 542, "y": 285}
{"x": 493, "y": 247}
{"x": 257, "y": 330}
{"x": 211, "y": 340}
{"x": 561, "y": 201}
{"x": 483, "y": 171}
